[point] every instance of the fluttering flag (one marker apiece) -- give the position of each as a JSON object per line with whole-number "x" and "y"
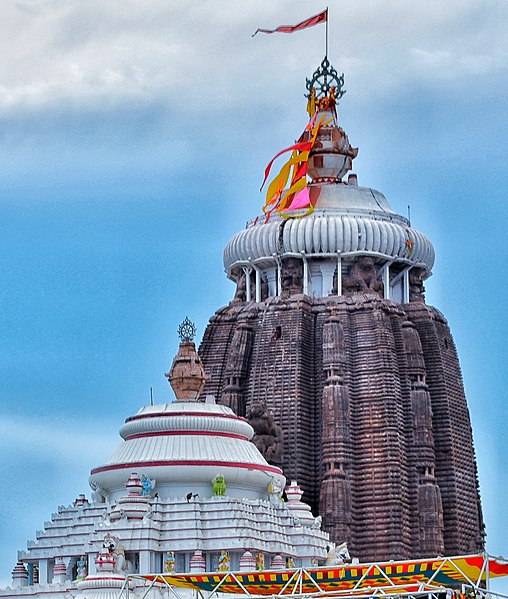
{"x": 322, "y": 17}
{"x": 295, "y": 171}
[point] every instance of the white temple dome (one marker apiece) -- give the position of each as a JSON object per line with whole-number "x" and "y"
{"x": 182, "y": 446}
{"x": 347, "y": 220}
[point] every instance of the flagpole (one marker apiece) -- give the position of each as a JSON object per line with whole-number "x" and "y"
{"x": 326, "y": 34}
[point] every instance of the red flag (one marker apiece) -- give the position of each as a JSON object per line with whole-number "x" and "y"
{"x": 322, "y": 17}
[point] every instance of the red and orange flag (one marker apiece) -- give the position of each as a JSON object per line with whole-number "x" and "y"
{"x": 322, "y": 17}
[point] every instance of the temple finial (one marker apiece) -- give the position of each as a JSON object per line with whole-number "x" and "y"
{"x": 325, "y": 81}
{"x": 187, "y": 330}
{"x": 187, "y": 376}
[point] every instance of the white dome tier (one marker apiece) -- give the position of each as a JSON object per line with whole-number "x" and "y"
{"x": 348, "y": 220}
{"x": 182, "y": 446}
{"x": 180, "y": 416}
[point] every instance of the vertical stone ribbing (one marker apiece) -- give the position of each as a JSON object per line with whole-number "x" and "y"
{"x": 216, "y": 346}
{"x": 337, "y": 453}
{"x": 430, "y": 509}
{"x": 380, "y": 488}
{"x": 319, "y": 363}
{"x": 237, "y": 364}
{"x": 283, "y": 376}
{"x": 455, "y": 460}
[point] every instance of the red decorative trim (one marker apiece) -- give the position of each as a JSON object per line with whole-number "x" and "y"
{"x": 171, "y": 414}
{"x": 178, "y": 433}
{"x": 217, "y": 463}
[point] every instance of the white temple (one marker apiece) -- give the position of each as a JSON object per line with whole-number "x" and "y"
{"x": 186, "y": 491}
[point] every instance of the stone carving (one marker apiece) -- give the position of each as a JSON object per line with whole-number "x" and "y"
{"x": 219, "y": 485}
{"x": 275, "y": 489}
{"x": 98, "y": 493}
{"x": 268, "y": 434}
{"x": 363, "y": 277}
{"x": 116, "y": 550}
{"x": 292, "y": 276}
{"x": 241, "y": 288}
{"x": 241, "y": 285}
{"x": 338, "y": 555}
{"x": 416, "y": 287}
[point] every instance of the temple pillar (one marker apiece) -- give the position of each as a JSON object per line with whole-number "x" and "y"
{"x": 92, "y": 567}
{"x": 305, "y": 274}
{"x": 271, "y": 275}
{"x": 316, "y": 277}
{"x": 145, "y": 564}
{"x": 258, "y": 284}
{"x": 339, "y": 274}
{"x": 405, "y": 286}
{"x": 386, "y": 280}
{"x": 43, "y": 571}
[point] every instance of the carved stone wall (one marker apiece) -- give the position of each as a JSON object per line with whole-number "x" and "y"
{"x": 375, "y": 425}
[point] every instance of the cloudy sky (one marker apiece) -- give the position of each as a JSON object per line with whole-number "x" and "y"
{"x": 133, "y": 137}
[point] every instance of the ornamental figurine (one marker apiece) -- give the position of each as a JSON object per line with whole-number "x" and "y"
{"x": 148, "y": 485}
{"x": 260, "y": 561}
{"x": 82, "y": 568}
{"x": 219, "y": 485}
{"x": 224, "y": 561}
{"x": 170, "y": 561}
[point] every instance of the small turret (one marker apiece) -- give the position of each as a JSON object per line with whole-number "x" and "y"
{"x": 186, "y": 376}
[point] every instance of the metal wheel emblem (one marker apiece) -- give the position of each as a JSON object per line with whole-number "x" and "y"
{"x": 187, "y": 330}
{"x": 324, "y": 78}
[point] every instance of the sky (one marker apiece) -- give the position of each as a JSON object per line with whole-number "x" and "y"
{"x": 133, "y": 137}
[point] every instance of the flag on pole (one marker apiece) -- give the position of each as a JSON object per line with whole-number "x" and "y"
{"x": 322, "y": 17}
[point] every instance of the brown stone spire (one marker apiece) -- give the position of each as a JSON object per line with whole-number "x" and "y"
{"x": 186, "y": 376}
{"x": 330, "y": 332}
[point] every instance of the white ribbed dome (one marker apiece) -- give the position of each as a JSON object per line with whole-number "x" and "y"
{"x": 348, "y": 220}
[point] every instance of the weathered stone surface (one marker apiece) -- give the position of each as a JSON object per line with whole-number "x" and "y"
{"x": 368, "y": 394}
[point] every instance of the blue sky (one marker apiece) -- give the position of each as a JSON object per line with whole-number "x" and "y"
{"x": 133, "y": 138}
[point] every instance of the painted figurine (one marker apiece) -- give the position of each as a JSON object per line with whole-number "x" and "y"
{"x": 260, "y": 561}
{"x": 219, "y": 485}
{"x": 224, "y": 561}
{"x": 170, "y": 561}
{"x": 81, "y": 566}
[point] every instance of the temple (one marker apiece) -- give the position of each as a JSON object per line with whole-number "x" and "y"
{"x": 329, "y": 334}
{"x": 328, "y": 368}
{"x": 185, "y": 491}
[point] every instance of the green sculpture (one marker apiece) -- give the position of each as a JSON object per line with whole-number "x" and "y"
{"x": 219, "y": 485}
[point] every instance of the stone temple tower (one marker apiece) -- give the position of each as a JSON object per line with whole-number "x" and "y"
{"x": 351, "y": 381}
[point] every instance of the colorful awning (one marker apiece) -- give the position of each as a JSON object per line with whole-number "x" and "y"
{"x": 404, "y": 576}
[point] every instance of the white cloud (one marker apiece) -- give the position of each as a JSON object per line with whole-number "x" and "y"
{"x": 451, "y": 65}
{"x": 53, "y": 51}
